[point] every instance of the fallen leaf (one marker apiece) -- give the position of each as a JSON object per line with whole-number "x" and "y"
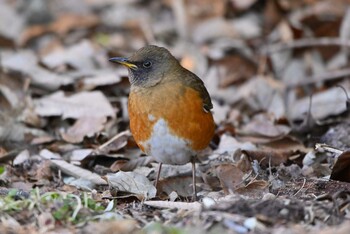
{"x": 114, "y": 144}
{"x": 26, "y": 63}
{"x": 265, "y": 127}
{"x": 79, "y": 56}
{"x": 253, "y": 189}
{"x": 132, "y": 183}
{"x": 80, "y": 154}
{"x": 267, "y": 158}
{"x": 229, "y": 144}
{"x": 71, "y": 169}
{"x": 219, "y": 28}
{"x": 100, "y": 78}
{"x": 182, "y": 185}
{"x": 63, "y": 25}
{"x": 132, "y": 164}
{"x": 76, "y": 106}
{"x": 84, "y": 127}
{"x": 327, "y": 103}
{"x": 341, "y": 169}
{"x": 230, "y": 177}
{"x": 21, "y": 157}
{"x": 220, "y": 112}
{"x": 9, "y": 17}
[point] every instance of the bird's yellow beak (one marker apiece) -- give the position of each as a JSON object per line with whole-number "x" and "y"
{"x": 123, "y": 61}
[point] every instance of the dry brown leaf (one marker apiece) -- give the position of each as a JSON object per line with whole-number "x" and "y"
{"x": 131, "y": 165}
{"x": 182, "y": 185}
{"x": 230, "y": 177}
{"x": 63, "y": 25}
{"x": 254, "y": 189}
{"x": 267, "y": 158}
{"x": 233, "y": 69}
{"x": 115, "y": 143}
{"x": 84, "y": 127}
{"x": 341, "y": 169}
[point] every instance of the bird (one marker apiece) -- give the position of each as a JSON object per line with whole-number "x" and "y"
{"x": 169, "y": 108}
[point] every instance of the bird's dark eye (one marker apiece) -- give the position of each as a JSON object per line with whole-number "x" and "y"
{"x": 147, "y": 64}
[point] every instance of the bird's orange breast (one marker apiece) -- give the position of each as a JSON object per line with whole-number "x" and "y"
{"x": 179, "y": 106}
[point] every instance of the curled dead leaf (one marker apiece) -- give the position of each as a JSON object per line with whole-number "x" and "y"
{"x": 341, "y": 169}
{"x": 132, "y": 182}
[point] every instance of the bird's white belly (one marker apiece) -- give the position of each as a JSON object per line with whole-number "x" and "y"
{"x": 166, "y": 147}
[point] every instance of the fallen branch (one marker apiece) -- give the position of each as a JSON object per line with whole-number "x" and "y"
{"x": 332, "y": 75}
{"x": 305, "y": 42}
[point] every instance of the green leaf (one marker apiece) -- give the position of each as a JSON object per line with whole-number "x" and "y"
{"x": 2, "y": 169}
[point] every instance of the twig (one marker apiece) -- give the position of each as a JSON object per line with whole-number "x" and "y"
{"x": 300, "y": 188}
{"x": 345, "y": 91}
{"x": 305, "y": 42}
{"x": 195, "y": 206}
{"x": 332, "y": 75}
{"x": 327, "y": 148}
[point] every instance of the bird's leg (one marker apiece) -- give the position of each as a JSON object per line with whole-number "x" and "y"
{"x": 194, "y": 196}
{"x": 158, "y": 174}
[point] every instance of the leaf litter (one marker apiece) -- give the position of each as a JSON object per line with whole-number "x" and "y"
{"x": 276, "y": 72}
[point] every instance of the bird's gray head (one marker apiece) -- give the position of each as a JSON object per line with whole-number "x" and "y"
{"x": 148, "y": 66}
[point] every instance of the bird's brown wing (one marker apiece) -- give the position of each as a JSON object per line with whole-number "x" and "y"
{"x": 197, "y": 84}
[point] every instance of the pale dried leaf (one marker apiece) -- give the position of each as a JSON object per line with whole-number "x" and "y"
{"x": 92, "y": 104}
{"x": 78, "y": 56}
{"x": 9, "y": 17}
{"x": 230, "y": 145}
{"x": 324, "y": 104}
{"x": 84, "y": 127}
{"x": 133, "y": 183}
{"x": 26, "y": 62}
{"x": 21, "y": 157}
{"x": 265, "y": 128}
{"x": 102, "y": 78}
{"x": 220, "y": 112}
{"x": 71, "y": 169}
